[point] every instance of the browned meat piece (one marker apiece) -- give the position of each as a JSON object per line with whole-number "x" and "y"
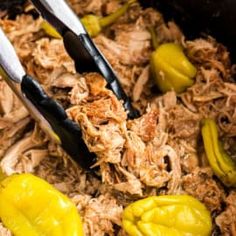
{"x": 201, "y": 185}
{"x": 145, "y": 126}
{"x": 227, "y": 219}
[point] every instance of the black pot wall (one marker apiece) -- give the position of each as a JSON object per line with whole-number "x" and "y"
{"x": 202, "y": 17}
{"x": 14, "y": 7}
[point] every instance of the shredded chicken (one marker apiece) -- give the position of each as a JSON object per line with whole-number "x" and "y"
{"x": 4, "y": 231}
{"x": 201, "y": 185}
{"x": 158, "y": 153}
{"x": 140, "y": 83}
{"x": 24, "y": 152}
{"x": 227, "y": 219}
{"x": 99, "y": 214}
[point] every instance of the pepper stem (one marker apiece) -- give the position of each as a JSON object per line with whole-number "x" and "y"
{"x": 154, "y": 38}
{"x": 108, "y": 20}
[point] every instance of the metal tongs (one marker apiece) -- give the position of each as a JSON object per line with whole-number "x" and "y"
{"x": 47, "y": 112}
{"x": 80, "y": 47}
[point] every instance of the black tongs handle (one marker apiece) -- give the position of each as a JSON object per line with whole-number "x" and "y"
{"x": 49, "y": 114}
{"x": 69, "y": 132}
{"x": 80, "y": 47}
{"x": 88, "y": 58}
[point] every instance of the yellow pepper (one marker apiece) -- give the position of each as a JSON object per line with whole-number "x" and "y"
{"x": 221, "y": 163}
{"x": 29, "y": 206}
{"x": 94, "y": 24}
{"x": 170, "y": 215}
{"x": 50, "y": 30}
{"x": 171, "y": 69}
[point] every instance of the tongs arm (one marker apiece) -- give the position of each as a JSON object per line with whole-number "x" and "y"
{"x": 68, "y": 132}
{"x": 49, "y": 113}
{"x": 80, "y": 47}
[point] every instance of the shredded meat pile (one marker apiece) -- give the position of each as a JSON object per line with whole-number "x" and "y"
{"x": 159, "y": 153}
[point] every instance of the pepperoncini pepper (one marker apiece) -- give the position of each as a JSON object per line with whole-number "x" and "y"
{"x": 223, "y": 166}
{"x": 94, "y": 24}
{"x": 168, "y": 215}
{"x": 171, "y": 69}
{"x": 29, "y": 206}
{"x": 50, "y": 30}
